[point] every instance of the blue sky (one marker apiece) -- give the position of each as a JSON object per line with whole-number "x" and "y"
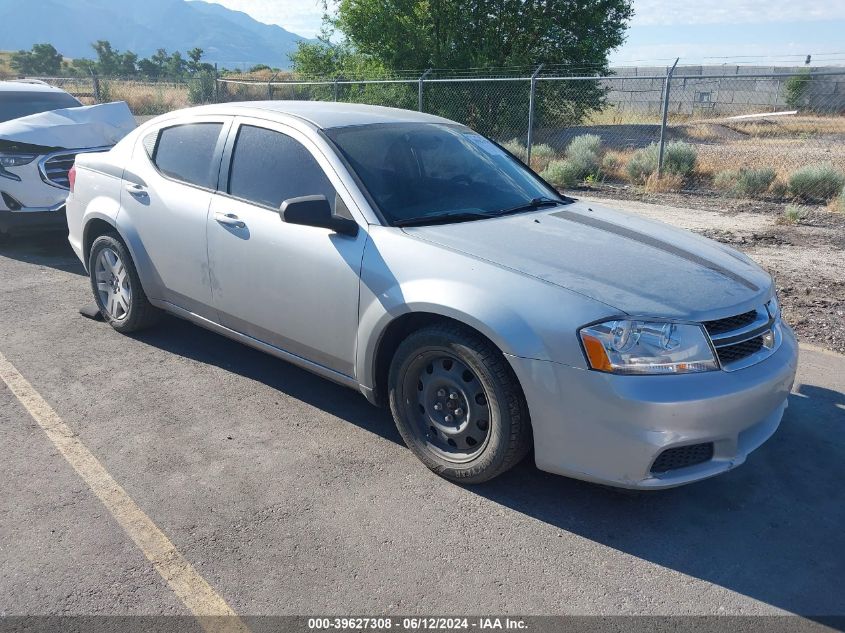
{"x": 771, "y": 32}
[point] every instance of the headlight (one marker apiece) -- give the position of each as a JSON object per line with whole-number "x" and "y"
{"x": 15, "y": 160}
{"x": 647, "y": 347}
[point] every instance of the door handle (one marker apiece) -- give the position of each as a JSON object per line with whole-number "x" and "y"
{"x": 229, "y": 219}
{"x": 136, "y": 190}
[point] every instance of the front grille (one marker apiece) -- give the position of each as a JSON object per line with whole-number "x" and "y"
{"x": 682, "y": 457}
{"x": 738, "y": 351}
{"x": 720, "y": 326}
{"x": 55, "y": 170}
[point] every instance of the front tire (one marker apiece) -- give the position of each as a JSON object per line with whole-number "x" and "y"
{"x": 117, "y": 287}
{"x": 458, "y": 404}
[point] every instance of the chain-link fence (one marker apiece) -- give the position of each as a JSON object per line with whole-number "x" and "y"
{"x": 770, "y": 133}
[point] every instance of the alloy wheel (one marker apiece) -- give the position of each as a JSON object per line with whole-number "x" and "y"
{"x": 113, "y": 285}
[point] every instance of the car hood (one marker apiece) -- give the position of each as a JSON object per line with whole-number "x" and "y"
{"x": 637, "y": 266}
{"x": 71, "y": 128}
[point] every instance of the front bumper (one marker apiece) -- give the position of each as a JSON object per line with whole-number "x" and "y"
{"x": 27, "y": 203}
{"x": 33, "y": 221}
{"x": 610, "y": 429}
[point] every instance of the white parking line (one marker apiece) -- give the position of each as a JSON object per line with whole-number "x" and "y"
{"x": 210, "y": 609}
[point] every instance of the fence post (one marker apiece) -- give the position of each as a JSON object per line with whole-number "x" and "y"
{"x": 270, "y": 86}
{"x": 335, "y": 87}
{"x": 666, "y": 86}
{"x": 95, "y": 85}
{"x": 530, "y": 139}
{"x": 420, "y": 95}
{"x": 216, "y": 84}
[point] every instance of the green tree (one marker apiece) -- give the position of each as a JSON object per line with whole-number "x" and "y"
{"x": 42, "y": 59}
{"x": 483, "y": 33}
{"x": 795, "y": 88}
{"x": 390, "y": 35}
{"x": 195, "y": 64}
{"x": 175, "y": 66}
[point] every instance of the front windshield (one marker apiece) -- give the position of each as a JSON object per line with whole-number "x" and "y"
{"x": 431, "y": 171}
{"x": 17, "y": 104}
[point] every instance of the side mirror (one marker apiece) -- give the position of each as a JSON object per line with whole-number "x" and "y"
{"x": 316, "y": 211}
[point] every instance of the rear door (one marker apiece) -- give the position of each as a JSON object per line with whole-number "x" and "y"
{"x": 166, "y": 195}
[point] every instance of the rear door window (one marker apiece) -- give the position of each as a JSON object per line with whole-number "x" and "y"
{"x": 186, "y": 153}
{"x": 269, "y": 167}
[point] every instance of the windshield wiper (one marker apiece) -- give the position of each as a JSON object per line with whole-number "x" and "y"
{"x": 445, "y": 218}
{"x": 531, "y": 205}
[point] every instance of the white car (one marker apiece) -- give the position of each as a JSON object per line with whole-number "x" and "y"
{"x": 42, "y": 129}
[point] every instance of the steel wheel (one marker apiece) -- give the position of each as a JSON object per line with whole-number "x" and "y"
{"x": 448, "y": 404}
{"x": 113, "y": 285}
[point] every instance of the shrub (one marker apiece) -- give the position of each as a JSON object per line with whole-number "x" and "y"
{"x": 610, "y": 163}
{"x": 643, "y": 163}
{"x": 583, "y": 154}
{"x": 679, "y": 158}
{"x": 562, "y": 173}
{"x": 585, "y": 146}
{"x": 541, "y": 156}
{"x": 515, "y": 147}
{"x": 745, "y": 182}
{"x": 816, "y": 182}
{"x": 792, "y": 214}
{"x": 201, "y": 88}
{"x": 796, "y": 87}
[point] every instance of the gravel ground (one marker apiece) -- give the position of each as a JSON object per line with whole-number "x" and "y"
{"x": 806, "y": 259}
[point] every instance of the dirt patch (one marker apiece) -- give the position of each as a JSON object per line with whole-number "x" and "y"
{"x": 807, "y": 260}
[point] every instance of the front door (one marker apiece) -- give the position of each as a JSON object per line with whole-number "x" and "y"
{"x": 294, "y": 287}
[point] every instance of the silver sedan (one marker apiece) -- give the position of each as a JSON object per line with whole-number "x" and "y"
{"x": 412, "y": 259}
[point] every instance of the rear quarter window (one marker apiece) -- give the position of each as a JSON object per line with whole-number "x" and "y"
{"x": 186, "y": 153}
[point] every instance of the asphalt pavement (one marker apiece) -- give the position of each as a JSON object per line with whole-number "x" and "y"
{"x": 291, "y": 495}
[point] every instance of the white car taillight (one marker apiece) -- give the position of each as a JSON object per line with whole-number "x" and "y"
{"x": 71, "y": 178}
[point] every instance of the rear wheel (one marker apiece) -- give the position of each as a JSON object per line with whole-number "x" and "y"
{"x": 117, "y": 288}
{"x": 457, "y": 404}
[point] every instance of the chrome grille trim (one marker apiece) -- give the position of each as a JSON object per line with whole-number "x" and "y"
{"x": 54, "y": 167}
{"x": 755, "y": 340}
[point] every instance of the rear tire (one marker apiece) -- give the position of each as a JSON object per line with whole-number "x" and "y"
{"x": 117, "y": 287}
{"x": 457, "y": 404}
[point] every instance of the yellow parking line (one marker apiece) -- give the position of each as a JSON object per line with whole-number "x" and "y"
{"x": 210, "y": 609}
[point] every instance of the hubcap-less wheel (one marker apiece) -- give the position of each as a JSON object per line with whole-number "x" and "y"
{"x": 447, "y": 401}
{"x": 113, "y": 286}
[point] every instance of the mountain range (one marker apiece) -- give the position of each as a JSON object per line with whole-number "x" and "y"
{"x": 229, "y": 38}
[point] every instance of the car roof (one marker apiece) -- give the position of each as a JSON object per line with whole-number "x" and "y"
{"x": 322, "y": 114}
{"x": 27, "y": 85}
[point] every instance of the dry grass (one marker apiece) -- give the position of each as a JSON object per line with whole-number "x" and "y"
{"x": 783, "y": 155}
{"x": 791, "y": 126}
{"x": 615, "y": 164}
{"x": 613, "y": 115}
{"x": 146, "y": 98}
{"x": 664, "y": 184}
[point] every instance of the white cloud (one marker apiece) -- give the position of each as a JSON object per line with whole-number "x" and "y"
{"x": 302, "y": 17}
{"x": 662, "y": 12}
